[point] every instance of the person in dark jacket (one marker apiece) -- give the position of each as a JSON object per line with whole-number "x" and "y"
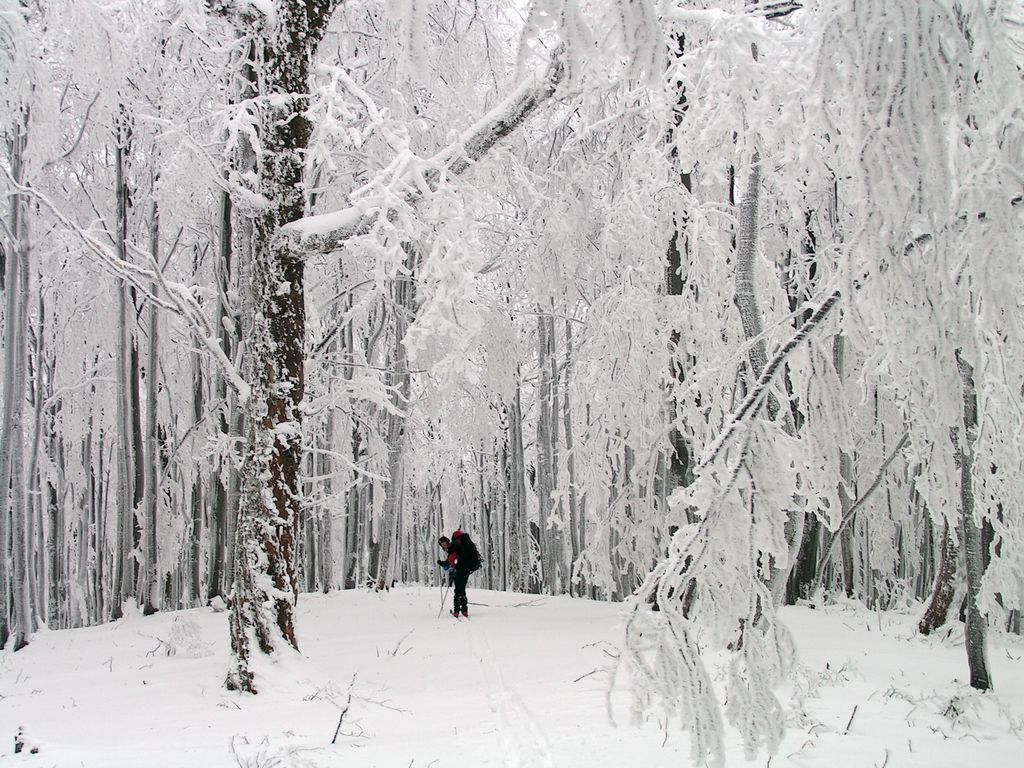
{"x": 463, "y": 558}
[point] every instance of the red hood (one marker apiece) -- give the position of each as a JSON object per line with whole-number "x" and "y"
{"x": 457, "y": 535}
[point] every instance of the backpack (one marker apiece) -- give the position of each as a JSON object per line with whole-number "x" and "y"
{"x": 470, "y": 553}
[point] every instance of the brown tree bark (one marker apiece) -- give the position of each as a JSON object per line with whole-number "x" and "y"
{"x": 275, "y": 325}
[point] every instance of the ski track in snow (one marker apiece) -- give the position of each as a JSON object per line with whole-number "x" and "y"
{"x": 524, "y": 744}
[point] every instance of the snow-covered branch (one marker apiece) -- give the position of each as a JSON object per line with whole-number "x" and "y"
{"x": 413, "y": 179}
{"x": 776, "y": 11}
{"x": 847, "y": 521}
{"x": 752, "y": 402}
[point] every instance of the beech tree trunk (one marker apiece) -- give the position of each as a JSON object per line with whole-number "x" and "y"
{"x": 399, "y": 383}
{"x": 129, "y": 446}
{"x": 515, "y": 480}
{"x": 972, "y": 534}
{"x": 150, "y": 583}
{"x": 545, "y": 484}
{"x": 745, "y": 299}
{"x": 16, "y": 616}
{"x": 937, "y": 611}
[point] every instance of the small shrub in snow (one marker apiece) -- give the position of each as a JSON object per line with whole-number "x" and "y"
{"x": 186, "y": 639}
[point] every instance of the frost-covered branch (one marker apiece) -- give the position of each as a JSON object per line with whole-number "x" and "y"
{"x": 847, "y": 521}
{"x": 774, "y": 11}
{"x": 409, "y": 179}
{"x": 755, "y": 399}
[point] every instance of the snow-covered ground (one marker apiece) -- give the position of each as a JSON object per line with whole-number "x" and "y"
{"x": 522, "y": 683}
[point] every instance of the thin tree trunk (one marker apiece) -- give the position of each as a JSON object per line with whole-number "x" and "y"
{"x": 548, "y": 576}
{"x": 7, "y": 425}
{"x": 234, "y": 260}
{"x": 195, "y": 546}
{"x": 515, "y": 478}
{"x": 56, "y": 585}
{"x": 23, "y": 619}
{"x": 399, "y": 384}
{"x": 219, "y": 540}
{"x": 942, "y": 591}
{"x": 35, "y": 532}
{"x": 15, "y": 619}
{"x": 846, "y": 534}
{"x": 972, "y": 534}
{"x": 570, "y": 459}
{"x": 150, "y": 580}
{"x": 326, "y": 520}
{"x": 745, "y": 299}
{"x": 125, "y": 515}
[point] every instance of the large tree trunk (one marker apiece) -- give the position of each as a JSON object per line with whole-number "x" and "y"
{"x": 275, "y": 322}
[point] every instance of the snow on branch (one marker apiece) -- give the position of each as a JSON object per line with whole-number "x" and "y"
{"x": 181, "y": 299}
{"x": 847, "y": 521}
{"x": 774, "y": 11}
{"x": 752, "y": 402}
{"x": 408, "y": 178}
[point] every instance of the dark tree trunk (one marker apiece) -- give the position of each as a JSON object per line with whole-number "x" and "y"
{"x": 942, "y": 591}
{"x": 972, "y": 534}
{"x": 275, "y": 322}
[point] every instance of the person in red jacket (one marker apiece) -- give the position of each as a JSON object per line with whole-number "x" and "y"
{"x": 463, "y": 559}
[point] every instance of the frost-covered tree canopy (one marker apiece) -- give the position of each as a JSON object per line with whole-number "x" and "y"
{"x": 706, "y": 307}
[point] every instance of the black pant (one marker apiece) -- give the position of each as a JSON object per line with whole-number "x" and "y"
{"x": 459, "y": 580}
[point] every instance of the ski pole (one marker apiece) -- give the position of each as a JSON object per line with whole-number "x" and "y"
{"x": 444, "y": 596}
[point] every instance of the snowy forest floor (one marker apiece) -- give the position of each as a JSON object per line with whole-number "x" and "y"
{"x": 515, "y": 685}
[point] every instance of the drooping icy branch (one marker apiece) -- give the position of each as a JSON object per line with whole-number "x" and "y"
{"x": 753, "y": 401}
{"x": 847, "y": 521}
{"x": 410, "y": 181}
{"x": 775, "y": 10}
